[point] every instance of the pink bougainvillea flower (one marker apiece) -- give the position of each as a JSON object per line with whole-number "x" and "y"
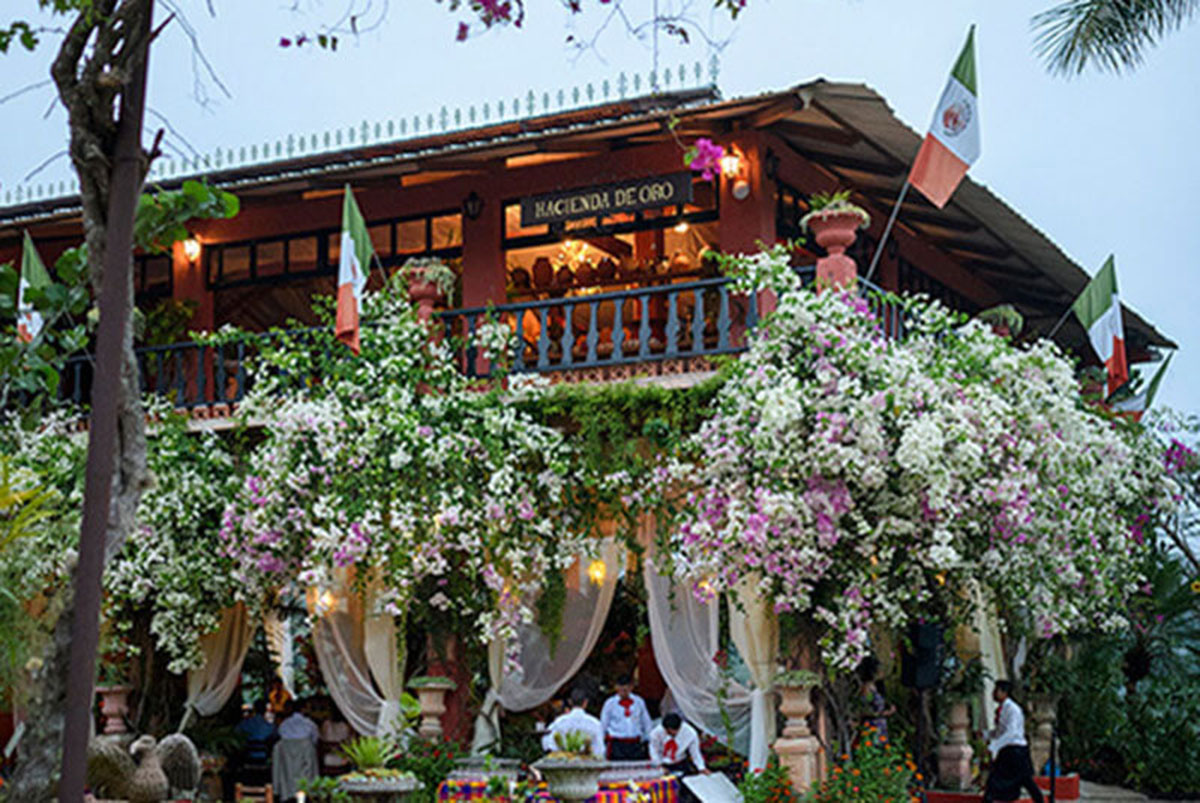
{"x": 463, "y": 29}
{"x": 704, "y": 157}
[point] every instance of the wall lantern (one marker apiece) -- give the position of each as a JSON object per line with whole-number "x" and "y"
{"x": 733, "y": 168}
{"x": 597, "y": 571}
{"x": 681, "y": 227}
{"x": 472, "y": 206}
{"x": 191, "y": 249}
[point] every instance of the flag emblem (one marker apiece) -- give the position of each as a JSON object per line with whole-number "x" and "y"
{"x": 956, "y": 118}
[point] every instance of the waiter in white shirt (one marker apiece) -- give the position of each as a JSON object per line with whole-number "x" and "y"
{"x": 1012, "y": 768}
{"x": 626, "y": 723}
{"x": 576, "y": 719}
{"x": 675, "y": 746}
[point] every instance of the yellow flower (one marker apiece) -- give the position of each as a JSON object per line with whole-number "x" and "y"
{"x": 1196, "y": 586}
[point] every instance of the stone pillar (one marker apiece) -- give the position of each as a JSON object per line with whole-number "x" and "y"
{"x": 797, "y": 747}
{"x": 1044, "y": 713}
{"x": 954, "y": 757}
{"x": 431, "y": 694}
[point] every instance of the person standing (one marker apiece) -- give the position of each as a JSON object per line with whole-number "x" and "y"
{"x": 626, "y": 723}
{"x": 295, "y": 754}
{"x": 576, "y": 718}
{"x": 675, "y": 746}
{"x": 1012, "y": 768}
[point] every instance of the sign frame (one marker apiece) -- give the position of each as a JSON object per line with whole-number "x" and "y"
{"x": 633, "y": 195}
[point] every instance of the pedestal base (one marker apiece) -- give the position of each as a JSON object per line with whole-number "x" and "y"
{"x": 799, "y": 756}
{"x": 954, "y": 766}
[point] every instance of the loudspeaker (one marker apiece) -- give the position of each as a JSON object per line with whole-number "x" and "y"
{"x": 921, "y": 666}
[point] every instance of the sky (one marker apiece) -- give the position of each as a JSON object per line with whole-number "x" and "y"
{"x": 1101, "y": 163}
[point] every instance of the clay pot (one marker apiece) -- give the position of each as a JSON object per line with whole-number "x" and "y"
{"x": 114, "y": 703}
{"x": 543, "y": 273}
{"x": 836, "y": 231}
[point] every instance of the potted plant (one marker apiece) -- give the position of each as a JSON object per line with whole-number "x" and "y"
{"x": 114, "y": 690}
{"x": 429, "y": 280}
{"x": 431, "y": 694}
{"x": 834, "y": 221}
{"x": 572, "y": 771}
{"x": 371, "y": 779}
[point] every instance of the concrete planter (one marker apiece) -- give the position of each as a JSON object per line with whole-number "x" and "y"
{"x": 570, "y": 778}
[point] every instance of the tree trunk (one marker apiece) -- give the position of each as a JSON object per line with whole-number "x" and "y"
{"x": 102, "y": 60}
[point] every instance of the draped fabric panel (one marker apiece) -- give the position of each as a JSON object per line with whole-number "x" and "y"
{"x": 356, "y": 651}
{"x": 278, "y": 631}
{"x": 684, "y": 633}
{"x": 543, "y": 670}
{"x": 211, "y": 686}
{"x": 755, "y": 632}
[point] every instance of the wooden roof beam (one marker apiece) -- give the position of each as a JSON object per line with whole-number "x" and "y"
{"x": 836, "y": 160}
{"x": 775, "y": 112}
{"x": 822, "y": 133}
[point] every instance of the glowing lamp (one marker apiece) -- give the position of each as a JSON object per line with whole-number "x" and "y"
{"x": 597, "y": 571}
{"x": 681, "y": 227}
{"x": 731, "y": 164}
{"x": 191, "y": 249}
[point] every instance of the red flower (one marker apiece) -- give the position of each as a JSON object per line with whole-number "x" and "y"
{"x": 463, "y": 28}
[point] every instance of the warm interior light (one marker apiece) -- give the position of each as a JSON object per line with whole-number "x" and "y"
{"x": 681, "y": 227}
{"x": 327, "y": 601}
{"x": 731, "y": 164}
{"x": 191, "y": 249}
{"x": 597, "y": 571}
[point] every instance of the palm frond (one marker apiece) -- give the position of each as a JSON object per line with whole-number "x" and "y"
{"x": 1111, "y": 35}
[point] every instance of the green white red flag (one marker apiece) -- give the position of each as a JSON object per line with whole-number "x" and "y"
{"x": 353, "y": 268}
{"x": 1099, "y": 310}
{"x": 33, "y": 275}
{"x": 1139, "y": 404}
{"x": 952, "y": 144}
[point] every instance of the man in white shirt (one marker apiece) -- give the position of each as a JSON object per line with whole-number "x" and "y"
{"x": 294, "y": 757}
{"x": 675, "y": 746}
{"x": 1011, "y": 768}
{"x": 626, "y": 723}
{"x": 576, "y": 719}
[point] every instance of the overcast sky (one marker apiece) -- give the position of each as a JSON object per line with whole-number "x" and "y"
{"x": 1100, "y": 163}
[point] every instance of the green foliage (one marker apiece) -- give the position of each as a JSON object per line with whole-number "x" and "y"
{"x": 323, "y": 790}
{"x": 1004, "y": 316}
{"x": 770, "y": 785}
{"x": 877, "y": 771}
{"x": 575, "y": 743}
{"x": 167, "y": 322}
{"x": 161, "y": 219}
{"x": 824, "y": 200}
{"x": 370, "y": 752}
{"x": 1112, "y": 35}
{"x": 430, "y": 762}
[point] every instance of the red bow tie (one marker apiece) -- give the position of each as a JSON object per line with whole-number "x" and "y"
{"x": 627, "y": 704}
{"x": 670, "y": 748}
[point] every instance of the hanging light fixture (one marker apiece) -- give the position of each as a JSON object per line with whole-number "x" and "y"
{"x": 191, "y": 249}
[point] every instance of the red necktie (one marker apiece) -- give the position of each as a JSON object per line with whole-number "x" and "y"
{"x": 998, "y": 709}
{"x": 670, "y": 748}
{"x": 627, "y": 704}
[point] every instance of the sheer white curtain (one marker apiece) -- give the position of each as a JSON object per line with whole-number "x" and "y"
{"x": 356, "y": 651}
{"x": 278, "y": 631}
{"x": 544, "y": 670}
{"x": 684, "y": 633}
{"x": 211, "y": 686}
{"x": 755, "y": 632}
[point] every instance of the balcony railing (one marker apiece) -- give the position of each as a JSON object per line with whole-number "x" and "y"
{"x": 663, "y": 322}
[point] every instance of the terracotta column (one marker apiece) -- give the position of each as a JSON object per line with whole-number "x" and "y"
{"x": 797, "y": 747}
{"x": 835, "y": 233}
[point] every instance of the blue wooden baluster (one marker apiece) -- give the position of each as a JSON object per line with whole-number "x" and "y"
{"x": 239, "y": 389}
{"x": 543, "y": 361}
{"x": 698, "y": 321}
{"x": 519, "y": 343}
{"x": 180, "y": 378}
{"x": 618, "y": 332}
{"x": 672, "y": 323}
{"x": 568, "y": 335}
{"x": 723, "y": 319}
{"x": 219, "y": 390}
{"x": 201, "y": 375}
{"x": 472, "y": 349}
{"x": 644, "y": 328}
{"x": 592, "y": 334}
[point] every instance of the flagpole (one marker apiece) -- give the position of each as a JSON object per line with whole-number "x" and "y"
{"x": 887, "y": 230}
{"x": 1061, "y": 321}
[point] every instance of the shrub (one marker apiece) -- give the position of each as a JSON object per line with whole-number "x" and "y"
{"x": 770, "y": 785}
{"x": 877, "y": 772}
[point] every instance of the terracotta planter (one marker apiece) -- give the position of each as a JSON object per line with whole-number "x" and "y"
{"x": 431, "y": 694}
{"x": 114, "y": 704}
{"x": 797, "y": 747}
{"x": 954, "y": 757}
{"x": 835, "y": 232}
{"x": 425, "y": 294}
{"x": 571, "y": 779}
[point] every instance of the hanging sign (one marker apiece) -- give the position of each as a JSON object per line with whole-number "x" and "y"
{"x": 607, "y": 199}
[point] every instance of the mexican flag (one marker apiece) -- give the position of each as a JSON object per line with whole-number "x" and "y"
{"x": 33, "y": 274}
{"x": 1139, "y": 404}
{"x": 353, "y": 267}
{"x": 1099, "y": 310}
{"x": 952, "y": 144}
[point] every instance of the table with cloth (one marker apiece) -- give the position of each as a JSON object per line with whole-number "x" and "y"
{"x": 664, "y": 789}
